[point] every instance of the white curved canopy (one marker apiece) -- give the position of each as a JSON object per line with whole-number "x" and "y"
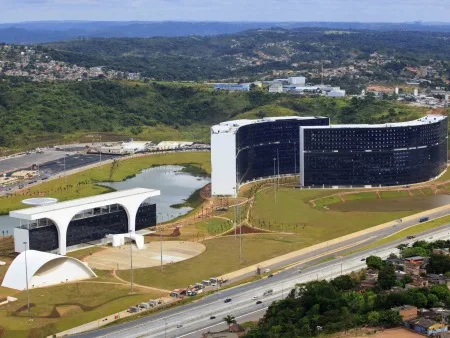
{"x": 44, "y": 269}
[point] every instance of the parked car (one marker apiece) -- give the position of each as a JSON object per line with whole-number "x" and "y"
{"x": 179, "y": 326}
{"x": 255, "y": 297}
{"x": 212, "y": 317}
{"x": 227, "y": 300}
{"x": 258, "y": 302}
{"x": 363, "y": 259}
{"x": 266, "y": 270}
{"x": 269, "y": 276}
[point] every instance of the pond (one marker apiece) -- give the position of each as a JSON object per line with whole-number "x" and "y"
{"x": 414, "y": 203}
{"x": 175, "y": 186}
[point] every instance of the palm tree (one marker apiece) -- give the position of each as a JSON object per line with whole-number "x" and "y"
{"x": 229, "y": 320}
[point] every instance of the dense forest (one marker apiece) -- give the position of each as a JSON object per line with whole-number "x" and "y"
{"x": 250, "y": 53}
{"x": 30, "y": 110}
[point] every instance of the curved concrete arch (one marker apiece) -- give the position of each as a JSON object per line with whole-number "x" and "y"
{"x": 44, "y": 269}
{"x": 62, "y": 213}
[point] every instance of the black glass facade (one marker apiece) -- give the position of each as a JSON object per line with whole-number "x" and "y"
{"x": 374, "y": 156}
{"x": 92, "y": 227}
{"x": 258, "y": 144}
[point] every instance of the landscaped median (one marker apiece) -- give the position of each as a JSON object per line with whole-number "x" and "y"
{"x": 410, "y": 231}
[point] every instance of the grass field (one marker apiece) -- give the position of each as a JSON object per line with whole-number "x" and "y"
{"x": 75, "y": 303}
{"x": 293, "y": 212}
{"x": 221, "y": 256}
{"x": 84, "y": 184}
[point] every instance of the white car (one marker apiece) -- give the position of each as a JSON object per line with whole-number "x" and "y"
{"x": 255, "y": 297}
{"x": 266, "y": 270}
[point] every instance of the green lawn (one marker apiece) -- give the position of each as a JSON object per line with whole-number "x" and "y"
{"x": 83, "y": 184}
{"x": 294, "y": 211}
{"x": 81, "y": 303}
{"x": 221, "y": 256}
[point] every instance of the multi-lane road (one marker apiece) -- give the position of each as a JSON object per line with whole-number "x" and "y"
{"x": 193, "y": 319}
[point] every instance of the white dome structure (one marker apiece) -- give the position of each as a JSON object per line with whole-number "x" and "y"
{"x": 44, "y": 269}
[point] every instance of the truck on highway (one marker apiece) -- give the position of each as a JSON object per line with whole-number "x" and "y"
{"x": 424, "y": 219}
{"x": 268, "y": 292}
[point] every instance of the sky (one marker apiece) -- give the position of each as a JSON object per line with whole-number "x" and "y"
{"x": 226, "y": 10}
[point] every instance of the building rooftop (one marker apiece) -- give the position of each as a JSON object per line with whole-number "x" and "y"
{"x": 32, "y": 213}
{"x": 429, "y": 119}
{"x": 233, "y": 126}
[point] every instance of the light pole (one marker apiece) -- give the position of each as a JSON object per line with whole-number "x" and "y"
{"x": 240, "y": 243}
{"x": 274, "y": 180}
{"x": 278, "y": 165}
{"x": 26, "y": 278}
{"x": 131, "y": 260}
{"x": 295, "y": 160}
{"x": 160, "y": 247}
{"x": 65, "y": 177}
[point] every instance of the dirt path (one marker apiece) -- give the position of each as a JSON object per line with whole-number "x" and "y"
{"x": 139, "y": 285}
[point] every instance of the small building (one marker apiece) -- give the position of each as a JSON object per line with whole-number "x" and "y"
{"x": 297, "y": 80}
{"x": 407, "y": 312}
{"x": 276, "y": 88}
{"x": 368, "y": 284}
{"x": 24, "y": 174}
{"x": 442, "y": 251}
{"x": 232, "y": 87}
{"x": 427, "y": 326}
{"x": 415, "y": 260}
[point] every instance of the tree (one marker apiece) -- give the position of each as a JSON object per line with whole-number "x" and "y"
{"x": 374, "y": 262}
{"x": 438, "y": 264}
{"x": 390, "y": 318}
{"x": 386, "y": 277}
{"x": 229, "y": 319}
{"x": 343, "y": 283}
{"x": 373, "y": 317}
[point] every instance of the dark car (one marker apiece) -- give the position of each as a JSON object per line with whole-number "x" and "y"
{"x": 212, "y": 317}
{"x": 227, "y": 300}
{"x": 269, "y": 276}
{"x": 363, "y": 259}
{"x": 259, "y": 302}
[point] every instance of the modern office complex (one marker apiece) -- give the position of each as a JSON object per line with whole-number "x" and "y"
{"x": 327, "y": 155}
{"x": 245, "y": 150}
{"x": 60, "y": 225}
{"x": 373, "y": 155}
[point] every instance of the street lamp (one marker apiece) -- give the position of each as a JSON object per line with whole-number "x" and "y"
{"x": 274, "y": 180}
{"x": 160, "y": 247}
{"x": 131, "y": 260}
{"x": 26, "y": 277}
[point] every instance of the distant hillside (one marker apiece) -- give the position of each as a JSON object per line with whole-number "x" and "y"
{"x": 39, "y": 32}
{"x": 257, "y": 53}
{"x": 36, "y": 113}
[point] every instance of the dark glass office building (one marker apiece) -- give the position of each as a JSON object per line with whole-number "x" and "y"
{"x": 89, "y": 226}
{"x": 373, "y": 155}
{"x": 270, "y": 146}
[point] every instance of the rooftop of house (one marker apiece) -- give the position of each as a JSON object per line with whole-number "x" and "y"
{"x": 424, "y": 322}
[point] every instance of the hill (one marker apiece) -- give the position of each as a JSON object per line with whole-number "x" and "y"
{"x": 34, "y": 114}
{"x": 49, "y": 31}
{"x": 376, "y": 55}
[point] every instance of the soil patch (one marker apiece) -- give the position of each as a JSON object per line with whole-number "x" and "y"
{"x": 66, "y": 309}
{"x": 247, "y": 230}
{"x": 175, "y": 233}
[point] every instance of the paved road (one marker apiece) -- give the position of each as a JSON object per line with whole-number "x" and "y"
{"x": 195, "y": 318}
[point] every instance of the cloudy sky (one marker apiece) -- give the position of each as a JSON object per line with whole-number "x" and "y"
{"x": 226, "y": 10}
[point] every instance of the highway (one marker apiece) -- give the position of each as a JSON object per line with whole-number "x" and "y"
{"x": 193, "y": 319}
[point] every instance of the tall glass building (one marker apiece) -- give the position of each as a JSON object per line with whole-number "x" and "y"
{"x": 373, "y": 155}
{"x": 245, "y": 150}
{"x": 327, "y": 155}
